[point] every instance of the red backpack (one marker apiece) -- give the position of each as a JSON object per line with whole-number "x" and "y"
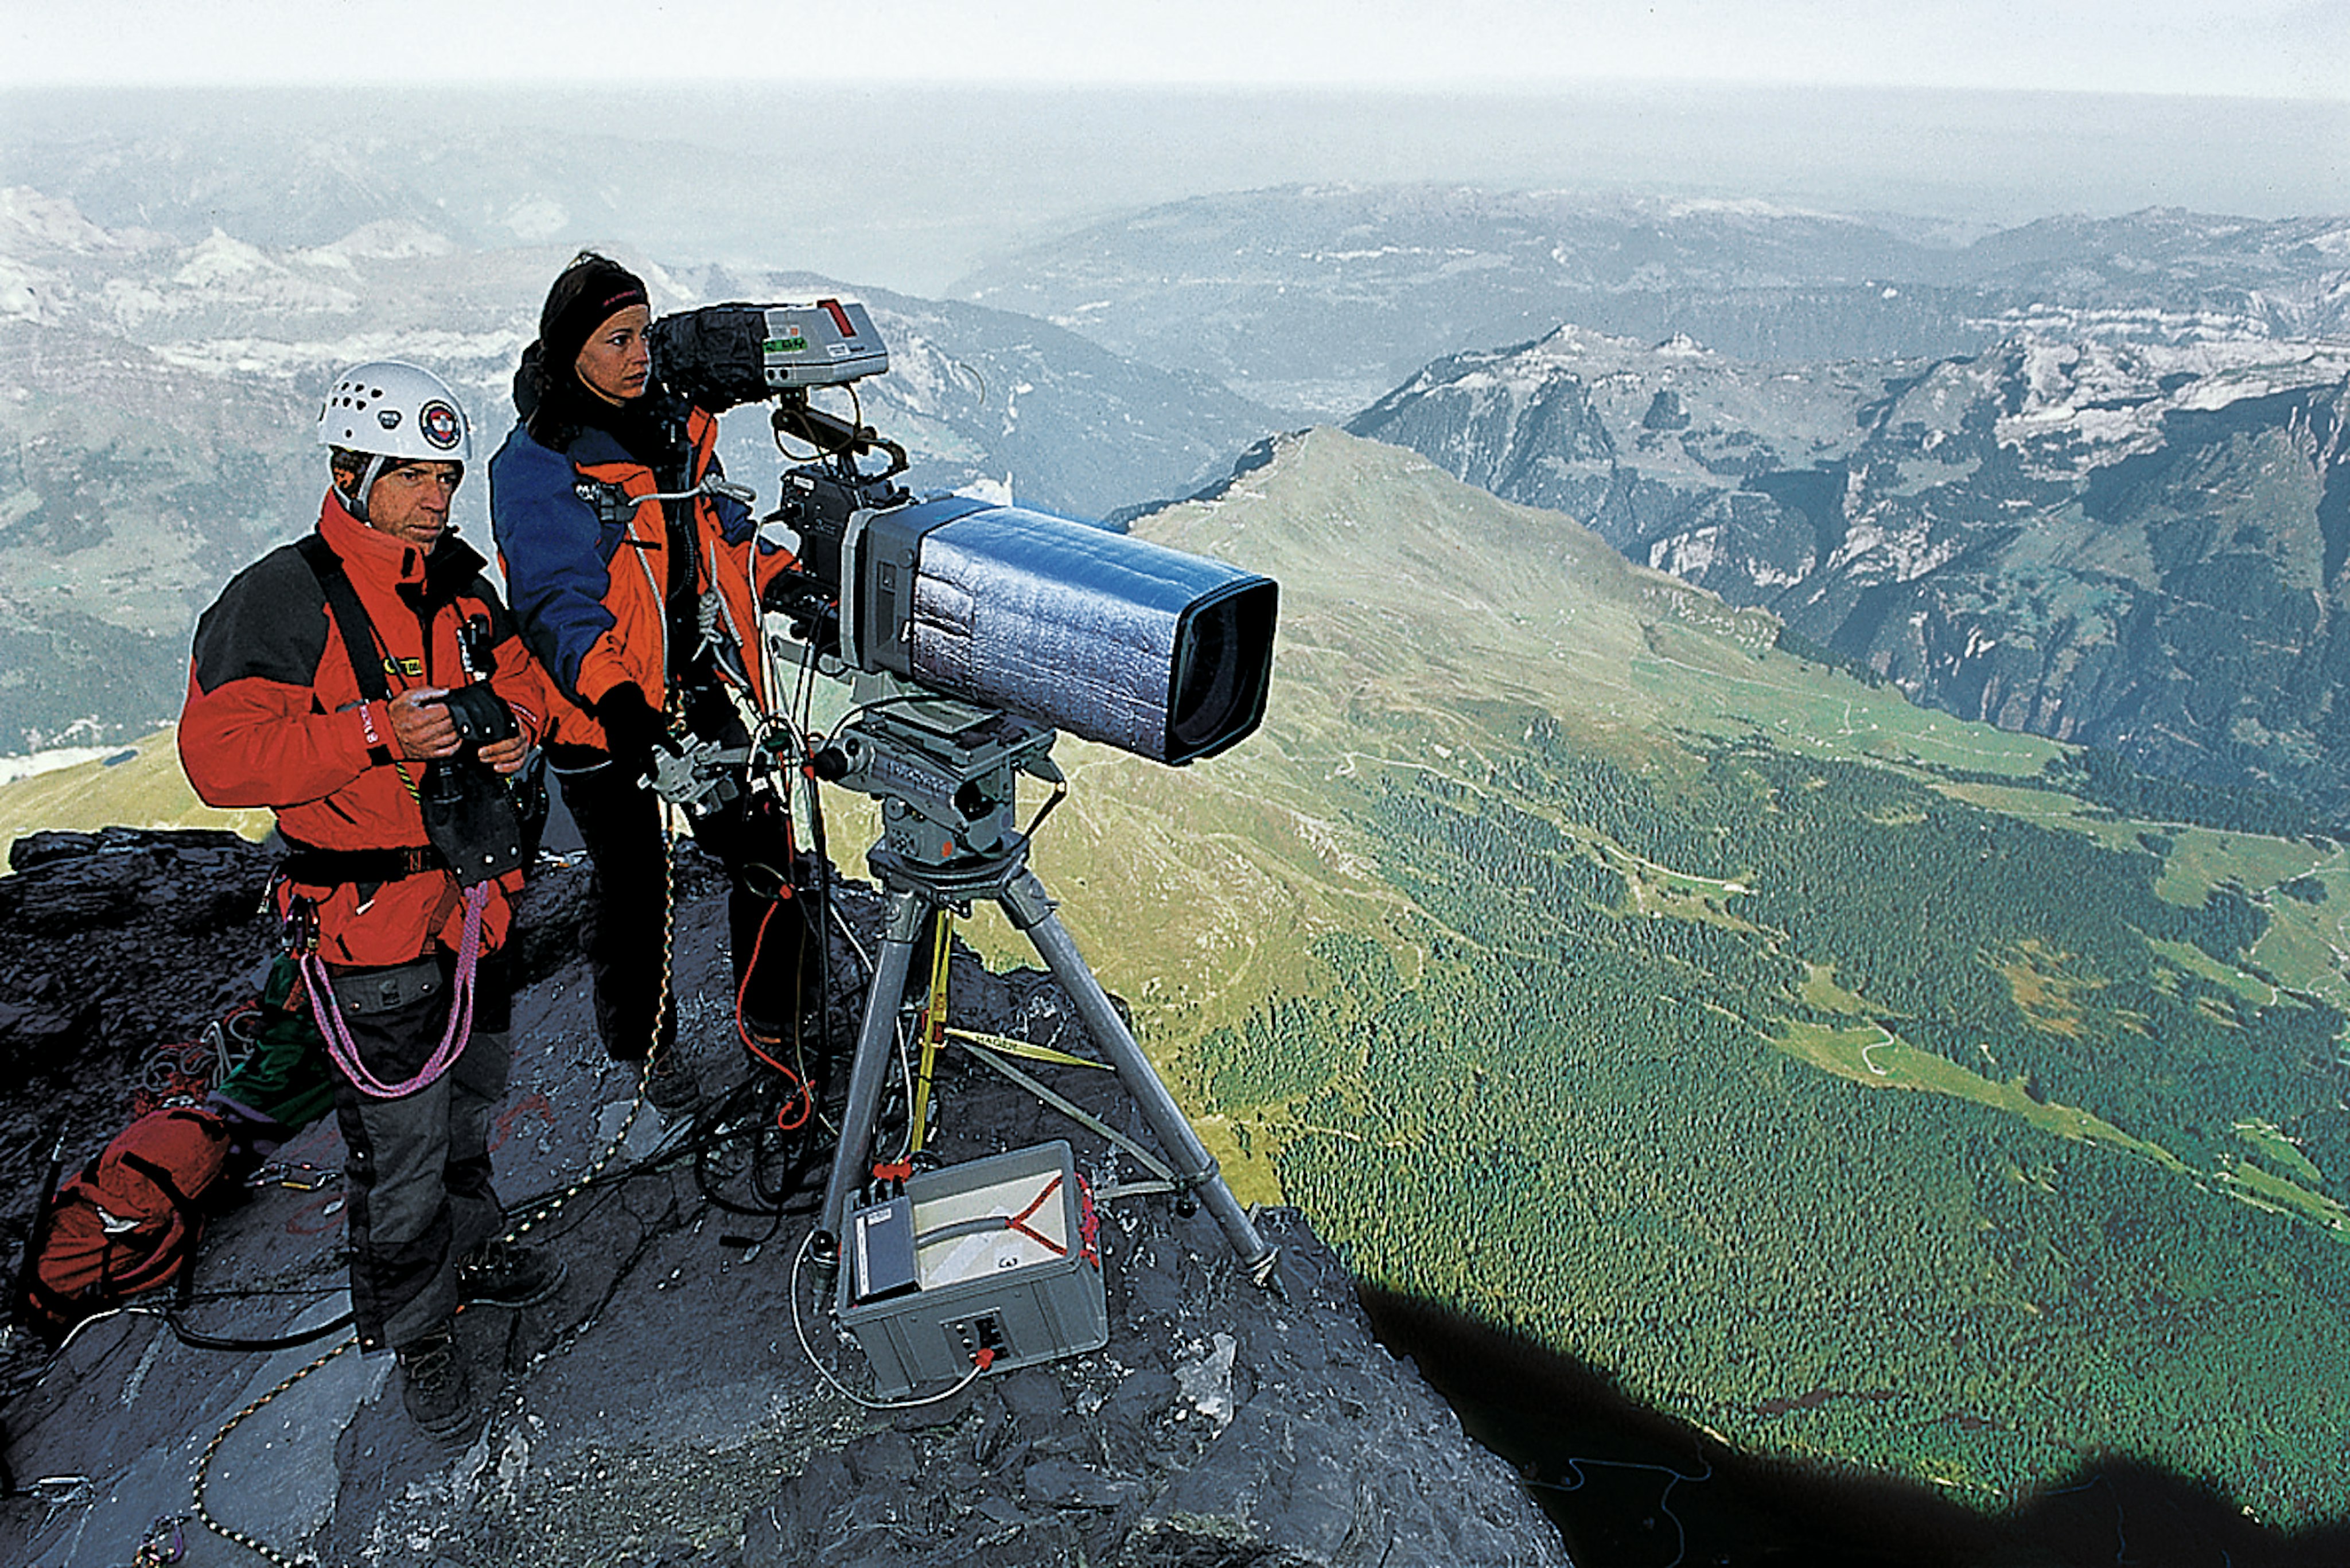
{"x": 129, "y": 1220}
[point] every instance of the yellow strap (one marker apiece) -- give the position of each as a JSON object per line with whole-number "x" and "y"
{"x": 1008, "y": 1046}
{"x": 934, "y": 1025}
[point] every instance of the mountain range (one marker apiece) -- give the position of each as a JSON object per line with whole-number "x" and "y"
{"x": 1320, "y": 299}
{"x": 2134, "y": 546}
{"x": 156, "y": 435}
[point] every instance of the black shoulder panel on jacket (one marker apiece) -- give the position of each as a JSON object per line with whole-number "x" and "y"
{"x": 456, "y": 569}
{"x": 270, "y": 622}
{"x": 502, "y": 626}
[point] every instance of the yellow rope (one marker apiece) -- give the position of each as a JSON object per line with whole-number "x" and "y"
{"x": 203, "y": 1465}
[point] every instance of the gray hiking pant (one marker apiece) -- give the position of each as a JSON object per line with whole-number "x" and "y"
{"x": 418, "y": 1167}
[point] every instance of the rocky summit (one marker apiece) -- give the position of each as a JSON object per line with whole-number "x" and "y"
{"x": 684, "y": 1399}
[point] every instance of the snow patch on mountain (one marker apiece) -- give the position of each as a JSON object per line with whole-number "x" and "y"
{"x": 489, "y": 355}
{"x": 28, "y": 293}
{"x": 1875, "y": 553}
{"x": 1689, "y": 556}
{"x": 388, "y": 239}
{"x": 220, "y": 259}
{"x": 2092, "y": 401}
{"x": 29, "y": 218}
{"x": 1744, "y": 207}
{"x": 538, "y": 219}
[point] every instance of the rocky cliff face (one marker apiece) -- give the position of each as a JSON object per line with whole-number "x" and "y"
{"x": 666, "y": 1408}
{"x": 2131, "y": 545}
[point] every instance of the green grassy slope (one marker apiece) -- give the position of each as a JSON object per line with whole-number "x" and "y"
{"x": 1816, "y": 1066}
{"x": 146, "y": 789}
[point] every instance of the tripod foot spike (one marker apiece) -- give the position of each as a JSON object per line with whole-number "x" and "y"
{"x": 1264, "y": 1273}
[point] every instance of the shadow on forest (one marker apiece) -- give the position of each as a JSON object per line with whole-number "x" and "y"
{"x": 1631, "y": 1487}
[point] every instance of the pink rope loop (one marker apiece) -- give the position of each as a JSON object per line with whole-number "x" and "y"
{"x": 339, "y": 1044}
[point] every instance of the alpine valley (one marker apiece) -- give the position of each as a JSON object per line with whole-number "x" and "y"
{"x": 1793, "y": 868}
{"x": 1852, "y": 1083}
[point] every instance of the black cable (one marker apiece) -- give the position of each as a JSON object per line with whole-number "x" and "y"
{"x": 1060, "y": 792}
{"x": 743, "y": 1102}
{"x": 765, "y": 1204}
{"x": 195, "y": 1339}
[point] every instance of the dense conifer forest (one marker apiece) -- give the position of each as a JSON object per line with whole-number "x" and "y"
{"x": 1832, "y": 1111}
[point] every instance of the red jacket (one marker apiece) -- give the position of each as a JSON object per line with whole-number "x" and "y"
{"x": 588, "y": 583}
{"x": 274, "y": 717}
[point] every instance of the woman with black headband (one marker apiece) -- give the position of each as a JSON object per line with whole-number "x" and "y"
{"x": 635, "y": 583}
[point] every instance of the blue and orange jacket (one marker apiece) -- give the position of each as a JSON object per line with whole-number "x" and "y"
{"x": 274, "y": 717}
{"x": 588, "y": 582}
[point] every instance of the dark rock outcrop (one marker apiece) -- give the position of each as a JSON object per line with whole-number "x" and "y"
{"x": 685, "y": 1398}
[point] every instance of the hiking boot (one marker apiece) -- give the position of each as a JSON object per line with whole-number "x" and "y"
{"x": 434, "y": 1386}
{"x": 506, "y": 1274}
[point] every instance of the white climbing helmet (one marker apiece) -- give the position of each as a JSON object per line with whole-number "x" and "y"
{"x": 395, "y": 411}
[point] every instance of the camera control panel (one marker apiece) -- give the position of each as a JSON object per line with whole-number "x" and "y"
{"x": 821, "y": 345}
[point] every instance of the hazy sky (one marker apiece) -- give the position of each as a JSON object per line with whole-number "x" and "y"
{"x": 2282, "y": 48}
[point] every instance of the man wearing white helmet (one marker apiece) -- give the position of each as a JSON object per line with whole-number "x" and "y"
{"x": 366, "y": 684}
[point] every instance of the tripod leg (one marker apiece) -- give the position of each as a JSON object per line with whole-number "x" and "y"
{"x": 908, "y": 911}
{"x": 1031, "y": 909}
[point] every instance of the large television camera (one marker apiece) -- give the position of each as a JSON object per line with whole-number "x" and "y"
{"x": 1009, "y": 625}
{"x": 1159, "y": 652}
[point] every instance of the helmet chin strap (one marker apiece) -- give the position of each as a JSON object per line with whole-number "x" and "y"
{"x": 356, "y": 504}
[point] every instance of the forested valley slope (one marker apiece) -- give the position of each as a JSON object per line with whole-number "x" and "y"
{"x": 1849, "y": 1081}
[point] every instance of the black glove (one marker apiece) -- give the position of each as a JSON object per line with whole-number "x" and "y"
{"x": 632, "y": 728}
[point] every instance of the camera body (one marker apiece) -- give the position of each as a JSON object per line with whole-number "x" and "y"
{"x": 723, "y": 355}
{"x": 1161, "y": 653}
{"x": 471, "y": 813}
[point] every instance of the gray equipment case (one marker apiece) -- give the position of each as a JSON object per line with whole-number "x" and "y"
{"x": 1006, "y": 1261}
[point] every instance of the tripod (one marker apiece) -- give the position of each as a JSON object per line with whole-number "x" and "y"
{"x": 926, "y": 864}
